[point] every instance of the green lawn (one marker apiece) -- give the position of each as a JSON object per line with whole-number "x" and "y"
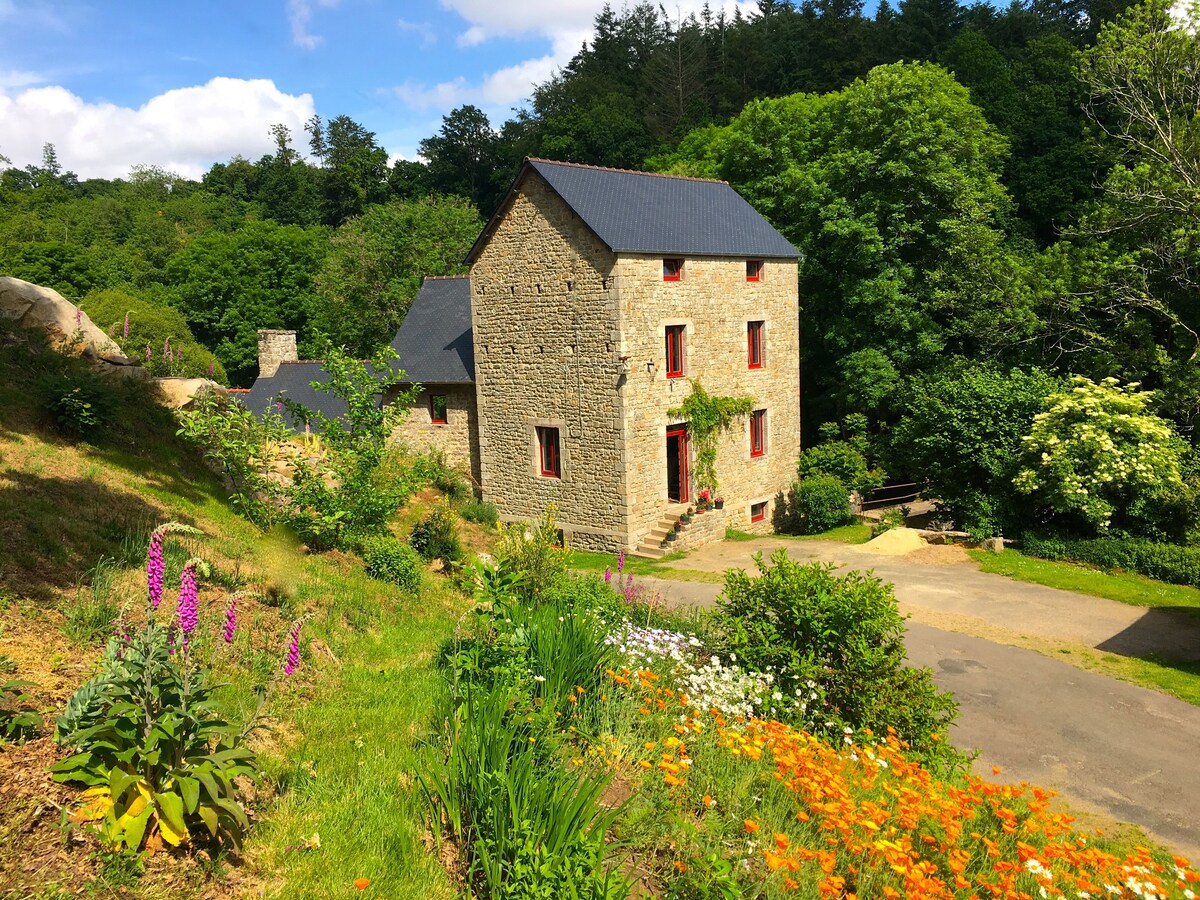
{"x": 1136, "y": 590}
{"x": 351, "y": 749}
{"x": 587, "y": 561}
{"x": 846, "y": 534}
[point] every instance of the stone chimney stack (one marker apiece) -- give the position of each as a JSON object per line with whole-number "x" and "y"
{"x": 275, "y": 347}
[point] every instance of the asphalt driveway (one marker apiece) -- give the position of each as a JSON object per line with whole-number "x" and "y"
{"x": 1109, "y": 748}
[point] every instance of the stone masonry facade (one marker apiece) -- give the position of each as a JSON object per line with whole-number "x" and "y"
{"x": 570, "y": 335}
{"x": 275, "y": 347}
{"x": 457, "y": 438}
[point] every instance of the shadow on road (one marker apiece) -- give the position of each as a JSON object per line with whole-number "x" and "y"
{"x": 1163, "y": 635}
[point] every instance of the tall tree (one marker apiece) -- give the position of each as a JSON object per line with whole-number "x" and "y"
{"x": 461, "y": 157}
{"x": 354, "y": 167}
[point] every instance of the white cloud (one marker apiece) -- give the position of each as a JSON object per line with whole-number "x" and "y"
{"x": 299, "y": 15}
{"x": 183, "y": 130}
{"x": 16, "y": 78}
{"x": 422, "y": 29}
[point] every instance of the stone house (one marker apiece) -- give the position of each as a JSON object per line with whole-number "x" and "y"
{"x": 595, "y": 297}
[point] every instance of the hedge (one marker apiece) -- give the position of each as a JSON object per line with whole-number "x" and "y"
{"x": 1172, "y": 563}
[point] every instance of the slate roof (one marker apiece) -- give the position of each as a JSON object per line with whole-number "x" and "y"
{"x": 643, "y": 212}
{"x": 293, "y": 381}
{"x": 434, "y": 341}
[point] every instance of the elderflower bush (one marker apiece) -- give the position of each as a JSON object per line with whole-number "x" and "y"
{"x": 1096, "y": 448}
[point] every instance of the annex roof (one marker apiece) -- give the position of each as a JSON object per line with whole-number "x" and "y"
{"x": 293, "y": 381}
{"x": 645, "y": 212}
{"x": 434, "y": 341}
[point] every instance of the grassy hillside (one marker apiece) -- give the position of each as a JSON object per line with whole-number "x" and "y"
{"x": 77, "y": 512}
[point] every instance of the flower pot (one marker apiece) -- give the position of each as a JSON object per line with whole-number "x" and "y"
{"x": 671, "y": 535}
{"x": 720, "y": 504}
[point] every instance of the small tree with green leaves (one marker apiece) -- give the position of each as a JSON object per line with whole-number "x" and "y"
{"x": 1095, "y": 450}
{"x": 707, "y": 418}
{"x": 357, "y": 501}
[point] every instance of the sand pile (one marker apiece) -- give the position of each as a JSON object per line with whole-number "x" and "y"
{"x": 896, "y": 542}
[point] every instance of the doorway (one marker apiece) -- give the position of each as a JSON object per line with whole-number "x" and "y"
{"x": 677, "y": 464}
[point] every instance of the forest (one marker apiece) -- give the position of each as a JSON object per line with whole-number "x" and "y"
{"x": 997, "y": 206}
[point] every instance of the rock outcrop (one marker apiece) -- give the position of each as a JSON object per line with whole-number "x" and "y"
{"x": 181, "y": 393}
{"x": 64, "y": 323}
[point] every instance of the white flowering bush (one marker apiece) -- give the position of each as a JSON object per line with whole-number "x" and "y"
{"x": 1096, "y": 449}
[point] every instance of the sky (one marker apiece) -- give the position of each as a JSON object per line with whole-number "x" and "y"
{"x": 185, "y": 83}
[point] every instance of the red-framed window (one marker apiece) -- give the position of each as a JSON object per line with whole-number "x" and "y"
{"x": 548, "y": 452}
{"x": 672, "y": 269}
{"x": 754, "y": 344}
{"x": 754, "y": 270}
{"x": 675, "y": 349}
{"x": 758, "y": 432}
{"x": 758, "y": 511}
{"x": 437, "y": 409}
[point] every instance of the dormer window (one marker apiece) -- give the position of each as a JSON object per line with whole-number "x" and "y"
{"x": 672, "y": 269}
{"x": 754, "y": 270}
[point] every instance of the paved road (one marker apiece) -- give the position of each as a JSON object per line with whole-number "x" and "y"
{"x": 1108, "y": 747}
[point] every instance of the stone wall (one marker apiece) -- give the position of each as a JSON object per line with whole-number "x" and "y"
{"x": 542, "y": 313}
{"x": 714, "y": 302}
{"x": 275, "y": 347}
{"x": 705, "y": 528}
{"x": 458, "y": 438}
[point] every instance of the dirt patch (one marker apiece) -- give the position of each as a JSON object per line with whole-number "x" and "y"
{"x": 939, "y": 555}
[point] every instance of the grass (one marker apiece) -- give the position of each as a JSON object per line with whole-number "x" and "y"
{"x": 1175, "y": 677}
{"x": 1134, "y": 590}
{"x": 587, "y": 561}
{"x": 846, "y": 534}
{"x": 351, "y": 749}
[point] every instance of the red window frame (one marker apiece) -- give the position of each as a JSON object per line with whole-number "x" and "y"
{"x": 672, "y": 269}
{"x": 754, "y": 345}
{"x": 758, "y": 511}
{"x": 675, "y": 350}
{"x": 754, "y": 270}
{"x": 758, "y": 432}
{"x": 434, "y": 418}
{"x": 548, "y": 452}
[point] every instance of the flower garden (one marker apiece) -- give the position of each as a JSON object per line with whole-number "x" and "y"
{"x": 596, "y": 747}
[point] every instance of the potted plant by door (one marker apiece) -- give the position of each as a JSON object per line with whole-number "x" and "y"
{"x": 686, "y": 516}
{"x": 719, "y": 503}
{"x": 673, "y": 533}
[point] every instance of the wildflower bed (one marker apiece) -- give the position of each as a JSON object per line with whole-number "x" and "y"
{"x": 694, "y": 777}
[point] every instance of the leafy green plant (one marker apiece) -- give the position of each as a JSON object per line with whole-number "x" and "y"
{"x": 480, "y": 511}
{"x": 239, "y": 447}
{"x": 817, "y": 504}
{"x": 707, "y": 417}
{"x": 1171, "y": 563}
{"x": 843, "y": 633}
{"x": 349, "y": 498}
{"x": 147, "y": 736}
{"x": 392, "y": 560}
{"x": 80, "y": 402}
{"x": 436, "y": 536}
{"x": 889, "y": 519}
{"x": 18, "y": 720}
{"x": 534, "y": 552}
{"x": 844, "y": 458}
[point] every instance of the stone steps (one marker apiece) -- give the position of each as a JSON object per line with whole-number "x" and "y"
{"x": 651, "y": 545}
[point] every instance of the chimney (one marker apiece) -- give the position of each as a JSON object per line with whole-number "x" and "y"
{"x": 275, "y": 347}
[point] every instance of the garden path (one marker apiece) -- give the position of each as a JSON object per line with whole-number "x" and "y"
{"x": 1110, "y": 748}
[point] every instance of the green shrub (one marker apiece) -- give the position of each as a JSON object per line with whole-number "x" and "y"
{"x": 19, "y": 721}
{"x": 889, "y": 519}
{"x": 1172, "y": 563}
{"x": 81, "y": 402}
{"x": 818, "y": 504}
{"x": 480, "y": 511}
{"x": 842, "y": 458}
{"x": 393, "y": 561}
{"x": 534, "y": 553}
{"x": 845, "y": 634}
{"x": 436, "y": 537}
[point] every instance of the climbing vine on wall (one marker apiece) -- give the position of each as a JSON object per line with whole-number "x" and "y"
{"x": 707, "y": 417}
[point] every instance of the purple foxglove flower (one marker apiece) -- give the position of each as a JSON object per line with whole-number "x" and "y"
{"x": 293, "y": 654}
{"x": 230, "y": 620}
{"x": 78, "y": 317}
{"x": 608, "y": 574}
{"x": 171, "y": 644}
{"x": 186, "y": 609}
{"x": 279, "y": 405}
{"x": 155, "y": 567}
{"x": 125, "y": 329}
{"x": 620, "y": 562}
{"x": 167, "y": 350}
{"x": 630, "y": 593}
{"x": 148, "y": 354}
{"x": 210, "y": 369}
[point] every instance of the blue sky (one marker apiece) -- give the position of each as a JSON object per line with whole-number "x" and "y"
{"x": 182, "y": 84}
